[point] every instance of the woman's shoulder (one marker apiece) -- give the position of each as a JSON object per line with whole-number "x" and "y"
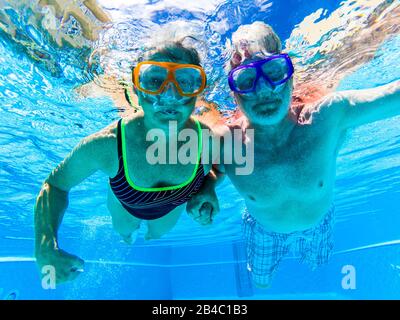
{"x": 106, "y": 135}
{"x": 109, "y": 133}
{"x": 104, "y": 146}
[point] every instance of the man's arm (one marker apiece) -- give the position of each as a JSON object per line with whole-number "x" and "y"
{"x": 369, "y": 105}
{"x": 52, "y": 203}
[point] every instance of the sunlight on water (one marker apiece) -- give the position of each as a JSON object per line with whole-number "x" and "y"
{"x": 327, "y": 48}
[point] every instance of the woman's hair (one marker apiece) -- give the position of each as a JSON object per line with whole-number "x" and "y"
{"x": 177, "y": 41}
{"x": 175, "y": 51}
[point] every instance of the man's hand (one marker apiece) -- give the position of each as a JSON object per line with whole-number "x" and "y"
{"x": 203, "y": 206}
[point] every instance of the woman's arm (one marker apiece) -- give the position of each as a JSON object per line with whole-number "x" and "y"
{"x": 52, "y": 202}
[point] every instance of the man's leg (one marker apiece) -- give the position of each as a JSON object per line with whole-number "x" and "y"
{"x": 316, "y": 245}
{"x": 265, "y": 250}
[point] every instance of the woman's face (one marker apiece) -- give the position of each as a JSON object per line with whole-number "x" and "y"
{"x": 169, "y": 105}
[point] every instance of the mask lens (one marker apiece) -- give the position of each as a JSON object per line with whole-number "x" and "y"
{"x": 151, "y": 77}
{"x": 245, "y": 78}
{"x": 189, "y": 80}
{"x": 276, "y": 69}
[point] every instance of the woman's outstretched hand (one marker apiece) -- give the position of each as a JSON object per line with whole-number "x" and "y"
{"x": 66, "y": 266}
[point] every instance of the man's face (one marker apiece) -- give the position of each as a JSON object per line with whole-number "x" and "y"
{"x": 267, "y": 105}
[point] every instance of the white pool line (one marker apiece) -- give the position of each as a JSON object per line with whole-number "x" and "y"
{"x": 138, "y": 264}
{"x": 376, "y": 245}
{"x": 123, "y": 263}
{"x": 16, "y": 259}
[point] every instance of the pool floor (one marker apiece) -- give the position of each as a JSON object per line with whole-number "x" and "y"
{"x": 377, "y": 277}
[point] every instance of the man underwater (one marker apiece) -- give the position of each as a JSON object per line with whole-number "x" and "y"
{"x": 289, "y": 194}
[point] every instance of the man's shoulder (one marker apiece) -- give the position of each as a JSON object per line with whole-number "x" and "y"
{"x": 326, "y": 109}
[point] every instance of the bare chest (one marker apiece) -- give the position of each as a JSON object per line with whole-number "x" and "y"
{"x": 304, "y": 167}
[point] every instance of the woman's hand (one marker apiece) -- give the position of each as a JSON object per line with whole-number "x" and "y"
{"x": 203, "y": 206}
{"x": 67, "y": 266}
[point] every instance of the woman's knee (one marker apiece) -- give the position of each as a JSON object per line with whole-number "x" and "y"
{"x": 153, "y": 235}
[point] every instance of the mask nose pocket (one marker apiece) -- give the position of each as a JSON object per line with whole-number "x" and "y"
{"x": 264, "y": 88}
{"x": 170, "y": 92}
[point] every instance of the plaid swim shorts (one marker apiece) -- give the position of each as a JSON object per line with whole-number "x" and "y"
{"x": 265, "y": 249}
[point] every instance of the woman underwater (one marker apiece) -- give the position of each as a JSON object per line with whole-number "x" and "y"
{"x": 167, "y": 83}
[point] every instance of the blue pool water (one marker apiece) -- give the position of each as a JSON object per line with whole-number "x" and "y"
{"x": 42, "y": 118}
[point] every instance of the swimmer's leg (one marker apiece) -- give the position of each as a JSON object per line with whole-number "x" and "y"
{"x": 265, "y": 251}
{"x": 316, "y": 246}
{"x": 123, "y": 222}
{"x": 158, "y": 227}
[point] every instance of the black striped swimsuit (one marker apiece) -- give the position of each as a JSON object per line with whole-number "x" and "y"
{"x": 152, "y": 203}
